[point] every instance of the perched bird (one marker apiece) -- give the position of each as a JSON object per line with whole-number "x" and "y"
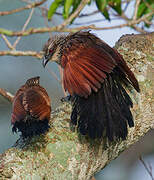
{"x": 95, "y": 75}
{"x": 31, "y": 109}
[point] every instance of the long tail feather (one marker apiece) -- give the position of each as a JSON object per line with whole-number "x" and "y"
{"x": 107, "y": 111}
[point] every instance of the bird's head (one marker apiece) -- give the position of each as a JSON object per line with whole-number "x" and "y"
{"x": 53, "y": 49}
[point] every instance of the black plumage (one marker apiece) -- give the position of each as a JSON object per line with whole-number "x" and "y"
{"x": 107, "y": 110}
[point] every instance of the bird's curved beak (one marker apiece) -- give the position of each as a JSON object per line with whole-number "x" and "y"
{"x": 45, "y": 61}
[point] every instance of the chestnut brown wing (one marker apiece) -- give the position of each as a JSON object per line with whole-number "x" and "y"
{"x": 18, "y": 111}
{"x": 36, "y": 102}
{"x": 85, "y": 68}
{"x": 122, "y": 65}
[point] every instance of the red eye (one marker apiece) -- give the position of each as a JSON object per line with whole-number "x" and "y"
{"x": 50, "y": 50}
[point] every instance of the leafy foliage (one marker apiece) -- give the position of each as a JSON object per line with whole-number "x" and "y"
{"x": 53, "y": 8}
{"x": 145, "y": 7}
{"x": 66, "y": 9}
{"x": 104, "y": 6}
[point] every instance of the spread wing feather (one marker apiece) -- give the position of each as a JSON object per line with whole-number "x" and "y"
{"x": 122, "y": 65}
{"x": 34, "y": 102}
{"x": 18, "y": 111}
{"x": 86, "y": 71}
{"x": 75, "y": 82}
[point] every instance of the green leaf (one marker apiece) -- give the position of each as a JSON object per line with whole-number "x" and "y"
{"x": 150, "y": 2}
{"x": 141, "y": 10}
{"x": 144, "y": 9}
{"x": 116, "y": 5}
{"x": 106, "y": 14}
{"x": 75, "y": 5}
{"x": 67, "y": 6}
{"x": 89, "y": 3}
{"x": 150, "y": 18}
{"x": 101, "y": 5}
{"x": 53, "y": 8}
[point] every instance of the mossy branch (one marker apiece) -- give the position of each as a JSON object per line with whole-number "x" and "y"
{"x": 61, "y": 154}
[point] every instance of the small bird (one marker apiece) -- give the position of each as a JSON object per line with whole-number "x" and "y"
{"x": 31, "y": 109}
{"x": 95, "y": 75}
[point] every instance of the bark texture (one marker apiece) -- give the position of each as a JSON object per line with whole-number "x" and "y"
{"x": 62, "y": 154}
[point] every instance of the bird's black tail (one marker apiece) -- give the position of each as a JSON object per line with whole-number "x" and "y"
{"x": 31, "y": 127}
{"x": 106, "y": 112}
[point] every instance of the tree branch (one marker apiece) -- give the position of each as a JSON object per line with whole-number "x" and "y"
{"x": 89, "y": 14}
{"x": 61, "y": 154}
{"x": 59, "y": 28}
{"x": 136, "y": 9}
{"x": 6, "y": 94}
{"x": 9, "y": 45}
{"x": 21, "y": 53}
{"x": 24, "y": 27}
{"x": 29, "y": 6}
{"x": 94, "y": 21}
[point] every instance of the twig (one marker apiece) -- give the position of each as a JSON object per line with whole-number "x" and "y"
{"x": 136, "y": 9}
{"x": 21, "y": 53}
{"x": 45, "y": 9}
{"x": 148, "y": 169}
{"x": 148, "y": 22}
{"x": 7, "y": 42}
{"x": 89, "y": 14}
{"x": 134, "y": 25}
{"x": 46, "y": 21}
{"x": 60, "y": 29}
{"x": 148, "y": 5}
{"x": 6, "y": 94}
{"x": 75, "y": 14}
{"x": 24, "y": 27}
{"x": 94, "y": 21}
{"x": 139, "y": 29}
{"x": 126, "y": 6}
{"x": 29, "y": 6}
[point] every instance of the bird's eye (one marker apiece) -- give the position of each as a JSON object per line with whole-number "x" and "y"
{"x": 50, "y": 50}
